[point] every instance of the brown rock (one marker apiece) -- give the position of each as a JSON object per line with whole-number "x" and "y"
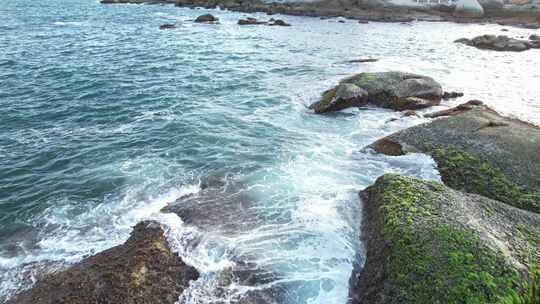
{"x": 143, "y": 270}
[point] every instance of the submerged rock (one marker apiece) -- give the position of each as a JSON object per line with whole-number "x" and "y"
{"x": 250, "y": 21}
{"x": 478, "y": 151}
{"x": 500, "y": 43}
{"x": 142, "y": 270}
{"x": 206, "y": 18}
{"x": 427, "y": 243}
{"x": 167, "y": 26}
{"x": 223, "y": 209}
{"x": 393, "y": 90}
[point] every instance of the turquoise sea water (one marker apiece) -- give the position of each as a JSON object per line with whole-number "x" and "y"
{"x": 105, "y": 119}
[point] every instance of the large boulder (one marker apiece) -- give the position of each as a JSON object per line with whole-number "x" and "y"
{"x": 427, "y": 243}
{"x": 142, "y": 270}
{"x": 393, "y": 90}
{"x": 477, "y": 151}
{"x": 468, "y": 9}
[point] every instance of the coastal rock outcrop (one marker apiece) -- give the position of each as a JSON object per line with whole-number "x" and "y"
{"x": 500, "y": 43}
{"x": 142, "y": 270}
{"x": 477, "y": 151}
{"x": 427, "y": 243}
{"x": 393, "y": 90}
{"x": 468, "y": 9}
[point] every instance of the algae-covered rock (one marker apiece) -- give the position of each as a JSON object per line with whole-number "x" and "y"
{"x": 393, "y": 90}
{"x": 344, "y": 96}
{"x": 142, "y": 270}
{"x": 427, "y": 243}
{"x": 478, "y": 151}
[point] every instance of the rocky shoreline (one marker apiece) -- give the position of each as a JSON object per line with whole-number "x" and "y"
{"x": 368, "y": 10}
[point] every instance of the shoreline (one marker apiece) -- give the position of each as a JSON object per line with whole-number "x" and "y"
{"x": 514, "y": 16}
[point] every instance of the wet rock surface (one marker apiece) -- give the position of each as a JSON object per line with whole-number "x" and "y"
{"x": 224, "y": 209}
{"x": 394, "y": 90}
{"x": 477, "y": 151}
{"x": 142, "y": 270}
{"x": 427, "y": 243}
{"x": 500, "y": 43}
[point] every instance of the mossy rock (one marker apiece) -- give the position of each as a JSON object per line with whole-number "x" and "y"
{"x": 427, "y": 243}
{"x": 478, "y": 151}
{"x": 394, "y": 90}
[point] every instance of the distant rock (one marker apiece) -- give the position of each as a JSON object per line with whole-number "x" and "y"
{"x": 363, "y": 60}
{"x": 206, "y": 18}
{"x": 167, "y": 26}
{"x": 394, "y": 90}
{"x": 278, "y": 22}
{"x": 250, "y": 21}
{"x": 500, "y": 43}
{"x": 468, "y": 9}
{"x": 142, "y": 270}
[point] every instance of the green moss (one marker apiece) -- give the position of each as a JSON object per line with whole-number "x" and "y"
{"x": 469, "y": 173}
{"x": 432, "y": 259}
{"x": 325, "y": 102}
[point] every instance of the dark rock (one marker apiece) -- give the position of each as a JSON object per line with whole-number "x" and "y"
{"x": 534, "y": 37}
{"x": 167, "y": 26}
{"x": 427, "y": 243}
{"x": 410, "y": 113}
{"x": 363, "y": 21}
{"x": 206, "y": 18}
{"x": 478, "y": 151}
{"x": 498, "y": 43}
{"x": 451, "y": 95}
{"x": 363, "y": 60}
{"x": 142, "y": 270}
